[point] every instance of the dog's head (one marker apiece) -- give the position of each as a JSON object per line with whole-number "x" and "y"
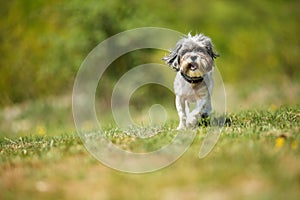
{"x": 193, "y": 56}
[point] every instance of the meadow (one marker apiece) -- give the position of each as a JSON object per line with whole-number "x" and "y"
{"x": 256, "y": 157}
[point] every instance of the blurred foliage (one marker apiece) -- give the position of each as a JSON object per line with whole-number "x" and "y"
{"x": 44, "y": 42}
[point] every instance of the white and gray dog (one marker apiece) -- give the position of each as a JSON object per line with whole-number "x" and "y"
{"x": 193, "y": 59}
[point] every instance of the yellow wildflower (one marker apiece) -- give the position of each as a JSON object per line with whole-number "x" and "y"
{"x": 279, "y": 142}
{"x": 273, "y": 107}
{"x": 41, "y": 130}
{"x": 294, "y": 144}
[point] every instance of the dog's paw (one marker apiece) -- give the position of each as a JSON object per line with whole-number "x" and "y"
{"x": 204, "y": 115}
{"x": 181, "y": 126}
{"x": 191, "y": 121}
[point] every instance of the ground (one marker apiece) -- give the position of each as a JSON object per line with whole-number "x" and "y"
{"x": 256, "y": 157}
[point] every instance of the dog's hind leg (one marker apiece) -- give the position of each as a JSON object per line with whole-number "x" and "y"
{"x": 206, "y": 108}
{"x": 181, "y": 109}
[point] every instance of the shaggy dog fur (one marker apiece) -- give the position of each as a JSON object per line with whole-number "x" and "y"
{"x": 193, "y": 59}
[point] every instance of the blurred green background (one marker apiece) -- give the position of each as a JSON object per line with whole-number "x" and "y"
{"x": 43, "y": 43}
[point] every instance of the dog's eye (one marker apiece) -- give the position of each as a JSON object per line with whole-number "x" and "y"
{"x": 184, "y": 52}
{"x": 199, "y": 49}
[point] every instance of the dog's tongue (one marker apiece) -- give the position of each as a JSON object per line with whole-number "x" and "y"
{"x": 193, "y": 67}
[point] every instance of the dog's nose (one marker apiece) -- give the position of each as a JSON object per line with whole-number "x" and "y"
{"x": 193, "y": 58}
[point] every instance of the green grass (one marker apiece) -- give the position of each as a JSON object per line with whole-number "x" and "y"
{"x": 256, "y": 157}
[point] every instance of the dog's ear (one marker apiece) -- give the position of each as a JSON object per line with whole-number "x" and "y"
{"x": 211, "y": 52}
{"x": 173, "y": 59}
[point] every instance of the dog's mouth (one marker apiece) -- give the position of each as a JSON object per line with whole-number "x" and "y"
{"x": 192, "y": 66}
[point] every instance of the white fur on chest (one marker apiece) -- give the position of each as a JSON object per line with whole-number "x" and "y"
{"x": 184, "y": 90}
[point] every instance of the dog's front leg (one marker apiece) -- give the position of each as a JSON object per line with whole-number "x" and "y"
{"x": 192, "y": 117}
{"x": 180, "y": 106}
{"x": 202, "y": 110}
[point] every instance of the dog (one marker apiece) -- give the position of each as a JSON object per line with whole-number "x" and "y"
{"x": 193, "y": 59}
